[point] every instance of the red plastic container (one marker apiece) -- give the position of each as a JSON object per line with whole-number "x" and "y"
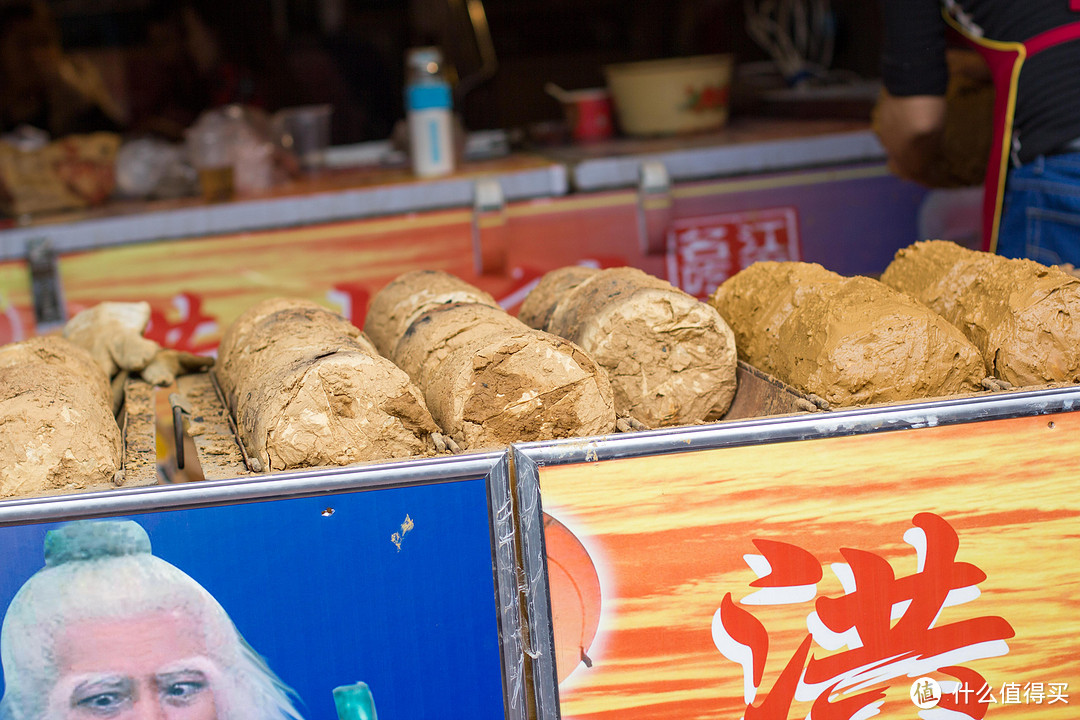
{"x": 588, "y": 113}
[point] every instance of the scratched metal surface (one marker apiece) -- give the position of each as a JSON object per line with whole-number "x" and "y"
{"x": 898, "y": 416}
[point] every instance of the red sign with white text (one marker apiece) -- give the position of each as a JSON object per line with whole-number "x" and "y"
{"x": 702, "y": 252}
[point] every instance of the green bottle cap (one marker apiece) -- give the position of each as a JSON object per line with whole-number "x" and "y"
{"x": 354, "y": 702}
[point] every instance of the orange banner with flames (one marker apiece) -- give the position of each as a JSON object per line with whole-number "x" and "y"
{"x": 197, "y": 286}
{"x": 927, "y": 573}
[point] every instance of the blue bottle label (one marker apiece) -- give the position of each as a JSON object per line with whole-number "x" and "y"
{"x": 433, "y": 139}
{"x": 428, "y": 96}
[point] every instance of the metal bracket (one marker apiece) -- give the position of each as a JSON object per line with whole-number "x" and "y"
{"x": 181, "y": 417}
{"x": 489, "y": 231}
{"x": 50, "y": 310}
{"x": 653, "y": 207}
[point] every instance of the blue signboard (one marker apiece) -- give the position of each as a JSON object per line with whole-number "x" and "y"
{"x": 392, "y": 587}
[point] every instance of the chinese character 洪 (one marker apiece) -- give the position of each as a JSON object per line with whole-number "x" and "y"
{"x": 880, "y": 629}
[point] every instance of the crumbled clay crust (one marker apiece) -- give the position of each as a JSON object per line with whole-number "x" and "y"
{"x": 307, "y": 389}
{"x": 670, "y": 357}
{"x": 399, "y": 304}
{"x": 338, "y": 409}
{"x": 55, "y": 350}
{"x": 246, "y": 334}
{"x": 491, "y": 381}
{"x": 851, "y": 341}
{"x": 539, "y": 305}
{"x": 1023, "y": 316}
{"x": 57, "y": 430}
{"x": 112, "y": 332}
{"x": 444, "y": 329}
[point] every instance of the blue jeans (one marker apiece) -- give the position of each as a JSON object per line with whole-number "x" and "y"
{"x": 1040, "y": 218}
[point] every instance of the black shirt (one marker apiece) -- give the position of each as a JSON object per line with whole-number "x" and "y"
{"x": 1047, "y": 115}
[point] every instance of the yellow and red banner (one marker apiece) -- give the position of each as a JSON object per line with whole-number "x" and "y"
{"x": 197, "y": 286}
{"x": 926, "y": 573}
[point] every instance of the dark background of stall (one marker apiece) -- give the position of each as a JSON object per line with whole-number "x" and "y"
{"x": 351, "y": 52}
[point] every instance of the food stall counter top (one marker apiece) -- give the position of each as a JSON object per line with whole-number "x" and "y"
{"x": 334, "y": 194}
{"x": 745, "y": 146}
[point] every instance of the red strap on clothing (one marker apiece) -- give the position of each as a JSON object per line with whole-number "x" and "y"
{"x": 1074, "y": 5}
{"x": 1001, "y": 63}
{"x": 1058, "y": 35}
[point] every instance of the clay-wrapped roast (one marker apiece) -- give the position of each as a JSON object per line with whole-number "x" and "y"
{"x": 851, "y": 341}
{"x": 1023, "y": 316}
{"x": 671, "y": 358}
{"x": 489, "y": 379}
{"x": 308, "y": 389}
{"x": 57, "y": 430}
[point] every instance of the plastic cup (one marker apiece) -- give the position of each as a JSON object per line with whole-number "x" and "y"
{"x": 588, "y": 113}
{"x": 216, "y": 183}
{"x": 305, "y": 130}
{"x": 210, "y": 150}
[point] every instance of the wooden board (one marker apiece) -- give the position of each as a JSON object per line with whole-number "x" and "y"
{"x": 139, "y": 432}
{"x": 759, "y": 394}
{"x": 210, "y": 429}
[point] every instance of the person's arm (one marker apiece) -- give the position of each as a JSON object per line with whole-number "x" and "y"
{"x": 910, "y": 117}
{"x": 911, "y": 129}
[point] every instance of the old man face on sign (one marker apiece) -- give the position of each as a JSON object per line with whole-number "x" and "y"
{"x": 107, "y": 630}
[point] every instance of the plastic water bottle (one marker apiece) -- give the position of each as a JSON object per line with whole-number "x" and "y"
{"x": 429, "y": 110}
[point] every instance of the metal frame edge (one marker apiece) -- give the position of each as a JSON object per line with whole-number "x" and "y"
{"x": 504, "y": 561}
{"x": 301, "y": 483}
{"x": 787, "y": 428}
{"x": 537, "y": 591}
